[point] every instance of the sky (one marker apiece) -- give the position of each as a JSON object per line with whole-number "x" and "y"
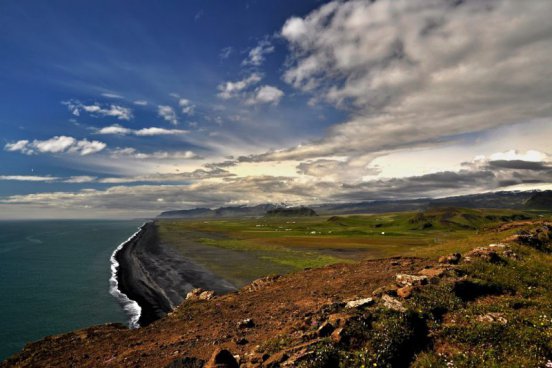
{"x": 123, "y": 109}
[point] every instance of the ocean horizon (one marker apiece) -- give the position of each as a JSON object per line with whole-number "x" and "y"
{"x": 55, "y": 277}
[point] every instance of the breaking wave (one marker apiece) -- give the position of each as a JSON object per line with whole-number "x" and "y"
{"x": 131, "y": 307}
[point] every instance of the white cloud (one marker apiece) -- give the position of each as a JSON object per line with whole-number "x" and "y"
{"x": 167, "y": 113}
{"x": 159, "y": 131}
{"x": 112, "y": 95}
{"x": 54, "y": 145}
{"x": 114, "y": 129}
{"x": 85, "y": 147}
{"x": 21, "y": 145}
{"x": 413, "y": 73}
{"x": 141, "y": 102}
{"x": 58, "y": 144}
{"x": 256, "y": 55}
{"x": 266, "y": 95}
{"x": 159, "y": 155}
{"x": 151, "y": 131}
{"x": 229, "y": 90}
{"x": 28, "y": 178}
{"x": 96, "y": 109}
{"x": 511, "y": 155}
{"x": 187, "y": 107}
{"x": 80, "y": 179}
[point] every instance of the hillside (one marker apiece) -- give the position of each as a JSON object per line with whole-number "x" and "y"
{"x": 490, "y": 306}
{"x": 540, "y": 200}
{"x": 499, "y": 200}
{"x": 291, "y": 212}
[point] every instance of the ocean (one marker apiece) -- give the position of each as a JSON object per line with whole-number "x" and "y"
{"x": 55, "y": 277}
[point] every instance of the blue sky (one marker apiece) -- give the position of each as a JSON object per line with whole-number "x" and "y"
{"x": 127, "y": 108}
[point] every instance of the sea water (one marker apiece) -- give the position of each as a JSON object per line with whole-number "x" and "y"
{"x": 55, "y": 278}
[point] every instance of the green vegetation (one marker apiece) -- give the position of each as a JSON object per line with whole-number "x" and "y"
{"x": 244, "y": 249}
{"x": 484, "y": 313}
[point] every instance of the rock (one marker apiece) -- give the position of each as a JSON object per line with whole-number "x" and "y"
{"x": 262, "y": 282}
{"x": 405, "y": 291}
{"x": 390, "y": 289}
{"x": 484, "y": 253}
{"x": 246, "y": 323}
{"x": 451, "y": 258}
{"x": 359, "y": 303}
{"x": 325, "y": 329}
{"x": 498, "y": 246}
{"x": 275, "y": 360}
{"x": 410, "y": 280}
{"x": 339, "y": 319}
{"x": 392, "y": 303}
{"x": 433, "y": 272}
{"x": 200, "y": 294}
{"x": 337, "y": 335}
{"x": 222, "y": 359}
{"x": 186, "y": 362}
{"x": 493, "y": 318}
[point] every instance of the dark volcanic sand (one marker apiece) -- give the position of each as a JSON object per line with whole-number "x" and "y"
{"x": 158, "y": 278}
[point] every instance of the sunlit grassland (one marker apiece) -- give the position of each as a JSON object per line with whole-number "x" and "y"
{"x": 242, "y": 249}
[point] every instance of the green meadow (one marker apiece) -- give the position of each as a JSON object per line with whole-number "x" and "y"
{"x": 242, "y": 249}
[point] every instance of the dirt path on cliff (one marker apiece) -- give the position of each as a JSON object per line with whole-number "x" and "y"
{"x": 196, "y": 328}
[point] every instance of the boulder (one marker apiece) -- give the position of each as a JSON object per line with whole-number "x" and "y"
{"x": 325, "y": 329}
{"x": 451, "y": 258}
{"x": 339, "y": 319}
{"x": 405, "y": 291}
{"x": 433, "y": 273}
{"x": 262, "y": 282}
{"x": 484, "y": 253}
{"x": 359, "y": 303}
{"x": 493, "y": 318}
{"x": 337, "y": 335}
{"x": 222, "y": 358}
{"x": 392, "y": 303}
{"x": 200, "y": 294}
{"x": 411, "y": 280}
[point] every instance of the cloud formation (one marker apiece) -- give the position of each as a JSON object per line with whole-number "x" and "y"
{"x": 186, "y": 106}
{"x": 152, "y": 131}
{"x": 217, "y": 187}
{"x": 265, "y": 95}
{"x": 167, "y": 113}
{"x": 419, "y": 72}
{"x": 159, "y": 155}
{"x": 57, "y": 144}
{"x": 228, "y": 90}
{"x": 99, "y": 110}
{"x": 256, "y": 55}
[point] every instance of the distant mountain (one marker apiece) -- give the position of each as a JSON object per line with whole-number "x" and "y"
{"x": 193, "y": 213}
{"x": 222, "y": 212}
{"x": 291, "y": 212}
{"x": 514, "y": 200}
{"x": 540, "y": 200}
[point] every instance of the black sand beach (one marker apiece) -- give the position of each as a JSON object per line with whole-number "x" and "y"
{"x": 158, "y": 278}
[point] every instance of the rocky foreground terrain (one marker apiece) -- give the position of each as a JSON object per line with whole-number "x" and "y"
{"x": 489, "y": 307}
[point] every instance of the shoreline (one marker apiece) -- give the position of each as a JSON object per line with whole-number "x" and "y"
{"x": 130, "y": 307}
{"x": 155, "y": 278}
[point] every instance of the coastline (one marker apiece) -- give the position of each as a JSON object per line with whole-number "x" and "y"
{"x": 153, "y": 278}
{"x": 131, "y": 307}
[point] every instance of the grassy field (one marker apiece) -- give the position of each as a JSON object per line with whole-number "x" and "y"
{"x": 244, "y": 249}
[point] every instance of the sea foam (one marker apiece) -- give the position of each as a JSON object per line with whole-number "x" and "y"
{"x": 131, "y": 307}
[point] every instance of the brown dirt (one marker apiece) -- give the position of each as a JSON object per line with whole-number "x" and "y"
{"x": 197, "y": 328}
